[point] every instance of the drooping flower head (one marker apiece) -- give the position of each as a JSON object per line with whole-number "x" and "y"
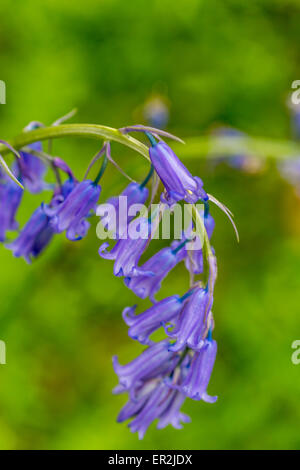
{"x": 127, "y": 252}
{"x": 155, "y": 362}
{"x": 34, "y": 237}
{"x": 72, "y": 213}
{"x": 159, "y": 265}
{"x": 178, "y": 182}
{"x": 32, "y": 168}
{"x": 59, "y": 196}
{"x": 198, "y": 373}
{"x": 143, "y": 325}
{"x": 134, "y": 193}
{"x": 154, "y": 401}
{"x": 149, "y": 381}
{"x": 38, "y": 231}
{"x": 190, "y": 326}
{"x": 10, "y": 198}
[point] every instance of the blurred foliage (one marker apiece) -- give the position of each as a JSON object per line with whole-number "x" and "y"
{"x": 229, "y": 62}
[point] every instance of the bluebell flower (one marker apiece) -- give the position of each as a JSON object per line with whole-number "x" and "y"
{"x": 154, "y": 401}
{"x": 190, "y": 325}
{"x": 158, "y": 384}
{"x": 155, "y": 362}
{"x": 136, "y": 403}
{"x": 159, "y": 265}
{"x": 134, "y": 193}
{"x": 10, "y": 198}
{"x": 177, "y": 180}
{"x": 38, "y": 231}
{"x": 72, "y": 213}
{"x": 198, "y": 374}
{"x": 127, "y": 252}
{"x": 34, "y": 237}
{"x": 42, "y": 241}
{"x": 156, "y": 397}
{"x": 33, "y": 170}
{"x": 172, "y": 414}
{"x": 143, "y": 325}
{"x": 59, "y": 196}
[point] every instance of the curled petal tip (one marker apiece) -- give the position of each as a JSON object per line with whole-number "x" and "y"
{"x": 208, "y": 398}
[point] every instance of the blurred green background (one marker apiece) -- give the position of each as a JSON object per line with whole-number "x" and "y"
{"x": 229, "y": 62}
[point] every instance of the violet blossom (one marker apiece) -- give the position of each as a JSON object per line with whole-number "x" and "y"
{"x": 134, "y": 193}
{"x": 127, "y": 252}
{"x": 159, "y": 265}
{"x": 155, "y": 361}
{"x": 32, "y": 168}
{"x": 10, "y": 199}
{"x": 34, "y": 237}
{"x": 199, "y": 372}
{"x": 178, "y": 182}
{"x": 73, "y": 212}
{"x": 190, "y": 324}
{"x": 143, "y": 325}
{"x": 160, "y": 403}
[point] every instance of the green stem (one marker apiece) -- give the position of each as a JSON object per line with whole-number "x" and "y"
{"x": 148, "y": 177}
{"x": 91, "y": 131}
{"x": 152, "y": 140}
{"x": 102, "y": 170}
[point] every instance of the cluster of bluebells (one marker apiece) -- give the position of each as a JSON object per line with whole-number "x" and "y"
{"x": 68, "y": 210}
{"x": 166, "y": 372}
